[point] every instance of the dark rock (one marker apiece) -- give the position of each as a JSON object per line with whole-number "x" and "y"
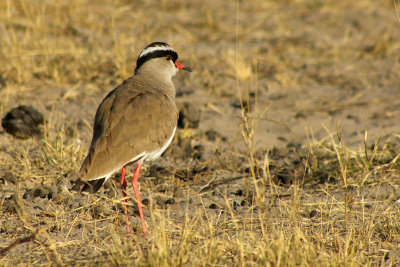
{"x": 235, "y": 205}
{"x": 387, "y": 256}
{"x": 242, "y": 104}
{"x": 314, "y": 213}
{"x": 249, "y": 200}
{"x": 28, "y": 195}
{"x": 43, "y": 192}
{"x": 239, "y": 192}
{"x": 189, "y": 115}
{"x": 170, "y": 201}
{"x": 198, "y": 151}
{"x": 211, "y": 135}
{"x": 300, "y": 115}
{"x": 285, "y": 177}
{"x": 163, "y": 202}
{"x": 213, "y": 206}
{"x": 23, "y": 122}
{"x": 9, "y": 204}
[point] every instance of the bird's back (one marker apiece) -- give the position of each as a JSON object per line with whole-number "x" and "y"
{"x": 133, "y": 120}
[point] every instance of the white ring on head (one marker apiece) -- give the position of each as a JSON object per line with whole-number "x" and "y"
{"x": 149, "y": 50}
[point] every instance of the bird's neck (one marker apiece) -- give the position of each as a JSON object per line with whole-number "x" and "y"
{"x": 159, "y": 82}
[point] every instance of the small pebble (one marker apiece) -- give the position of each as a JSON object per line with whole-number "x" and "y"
{"x": 239, "y": 192}
{"x": 170, "y": 201}
{"x": 313, "y": 213}
{"x": 235, "y": 205}
{"x": 213, "y": 206}
{"x": 28, "y": 195}
{"x": 43, "y": 192}
{"x": 9, "y": 204}
{"x": 211, "y": 135}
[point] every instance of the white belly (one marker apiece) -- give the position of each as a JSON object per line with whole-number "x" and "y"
{"x": 150, "y": 156}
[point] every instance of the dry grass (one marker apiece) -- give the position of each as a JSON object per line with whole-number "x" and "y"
{"x": 320, "y": 202}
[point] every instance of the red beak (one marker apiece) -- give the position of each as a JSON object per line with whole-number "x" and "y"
{"x": 181, "y": 66}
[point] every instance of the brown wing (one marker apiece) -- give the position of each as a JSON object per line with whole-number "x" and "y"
{"x": 128, "y": 122}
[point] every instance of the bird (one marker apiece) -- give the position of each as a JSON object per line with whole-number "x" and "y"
{"x": 135, "y": 123}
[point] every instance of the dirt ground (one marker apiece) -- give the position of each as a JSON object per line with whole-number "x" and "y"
{"x": 287, "y": 148}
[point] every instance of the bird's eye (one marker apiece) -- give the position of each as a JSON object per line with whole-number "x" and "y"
{"x": 168, "y": 58}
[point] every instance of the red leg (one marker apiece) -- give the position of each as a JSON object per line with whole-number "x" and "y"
{"x": 123, "y": 189}
{"x": 136, "y": 190}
